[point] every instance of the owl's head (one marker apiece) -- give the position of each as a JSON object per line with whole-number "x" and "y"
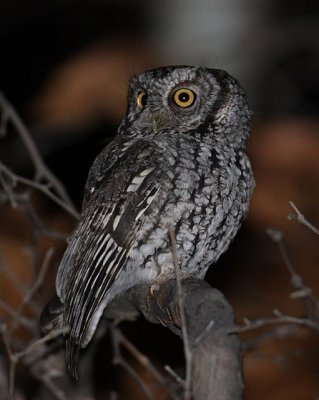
{"x": 187, "y": 99}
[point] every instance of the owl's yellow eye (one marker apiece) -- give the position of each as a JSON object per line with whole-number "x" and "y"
{"x": 184, "y": 97}
{"x": 141, "y": 100}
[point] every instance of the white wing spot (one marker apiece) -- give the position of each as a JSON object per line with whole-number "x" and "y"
{"x": 147, "y": 171}
{"x": 116, "y": 222}
{"x": 136, "y": 183}
{"x": 141, "y": 213}
{"x": 138, "y": 179}
{"x": 107, "y": 217}
{"x": 148, "y": 201}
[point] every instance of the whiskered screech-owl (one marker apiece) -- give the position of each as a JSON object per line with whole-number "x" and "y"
{"x": 178, "y": 160}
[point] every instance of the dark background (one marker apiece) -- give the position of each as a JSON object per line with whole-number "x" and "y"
{"x": 64, "y": 65}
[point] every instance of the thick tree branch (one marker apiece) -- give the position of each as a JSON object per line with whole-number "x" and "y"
{"x": 217, "y": 362}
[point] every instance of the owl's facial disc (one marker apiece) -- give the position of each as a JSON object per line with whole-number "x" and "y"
{"x": 182, "y": 97}
{"x": 159, "y": 110}
{"x": 173, "y": 98}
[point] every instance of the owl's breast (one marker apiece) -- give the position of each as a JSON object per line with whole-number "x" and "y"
{"x": 202, "y": 197}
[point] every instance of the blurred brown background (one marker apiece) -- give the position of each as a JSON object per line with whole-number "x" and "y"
{"x": 65, "y": 65}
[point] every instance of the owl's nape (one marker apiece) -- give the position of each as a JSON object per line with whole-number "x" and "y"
{"x": 178, "y": 159}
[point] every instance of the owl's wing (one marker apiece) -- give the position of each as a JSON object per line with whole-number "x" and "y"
{"x": 102, "y": 166}
{"x": 99, "y": 246}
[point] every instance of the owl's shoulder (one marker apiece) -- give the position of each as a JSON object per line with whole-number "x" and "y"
{"x": 118, "y": 161}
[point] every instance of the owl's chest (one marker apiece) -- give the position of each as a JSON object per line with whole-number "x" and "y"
{"x": 199, "y": 175}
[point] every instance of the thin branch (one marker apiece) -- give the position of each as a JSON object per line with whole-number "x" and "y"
{"x": 277, "y": 237}
{"x": 16, "y": 179}
{"x": 17, "y": 190}
{"x": 281, "y": 331}
{"x": 296, "y": 280}
{"x": 204, "y": 333}
{"x": 41, "y": 169}
{"x": 14, "y": 357}
{"x": 119, "y": 360}
{"x": 178, "y": 379}
{"x": 119, "y": 339}
{"x": 52, "y": 387}
{"x": 50, "y": 336}
{"x": 187, "y": 347}
{"x": 38, "y": 225}
{"x": 7, "y": 187}
{"x": 143, "y": 360}
{"x": 12, "y": 361}
{"x": 35, "y": 286}
{"x": 301, "y": 219}
{"x": 280, "y": 318}
{"x": 20, "y": 319}
{"x": 11, "y": 276}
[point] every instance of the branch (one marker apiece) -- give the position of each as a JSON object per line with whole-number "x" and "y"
{"x": 280, "y": 318}
{"x": 296, "y": 280}
{"x": 44, "y": 179}
{"x": 217, "y": 362}
{"x": 34, "y": 287}
{"x": 41, "y": 169}
{"x": 119, "y": 360}
{"x": 301, "y": 219}
{"x": 180, "y": 298}
{"x": 9, "y": 180}
{"x": 119, "y": 339}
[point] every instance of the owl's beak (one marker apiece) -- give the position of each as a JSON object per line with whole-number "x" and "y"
{"x": 153, "y": 121}
{"x": 156, "y": 124}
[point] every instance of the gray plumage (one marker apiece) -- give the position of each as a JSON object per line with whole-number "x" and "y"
{"x": 178, "y": 159}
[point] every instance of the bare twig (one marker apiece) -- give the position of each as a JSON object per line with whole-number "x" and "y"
{"x": 143, "y": 360}
{"x": 38, "y": 226}
{"x": 17, "y": 190}
{"x": 302, "y": 291}
{"x": 178, "y": 379}
{"x": 187, "y": 347}
{"x": 35, "y": 286}
{"x": 41, "y": 170}
{"x": 50, "y": 336}
{"x": 17, "y": 317}
{"x": 52, "y": 387}
{"x": 8, "y": 176}
{"x": 11, "y": 276}
{"x": 281, "y": 331}
{"x": 119, "y": 360}
{"x": 12, "y": 361}
{"x": 301, "y": 219}
{"x": 14, "y": 357}
{"x": 279, "y": 318}
{"x": 119, "y": 339}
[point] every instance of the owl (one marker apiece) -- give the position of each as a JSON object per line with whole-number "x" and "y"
{"x": 178, "y": 160}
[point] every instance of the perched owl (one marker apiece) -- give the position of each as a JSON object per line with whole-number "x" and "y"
{"x": 178, "y": 159}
